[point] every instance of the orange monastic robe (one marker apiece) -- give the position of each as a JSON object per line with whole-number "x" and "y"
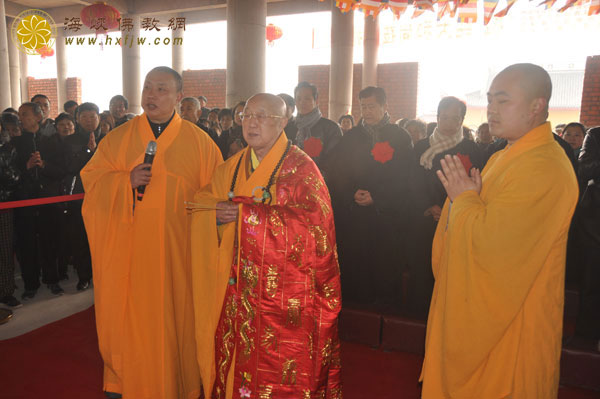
{"x": 495, "y": 321}
{"x": 141, "y": 257}
{"x": 267, "y": 288}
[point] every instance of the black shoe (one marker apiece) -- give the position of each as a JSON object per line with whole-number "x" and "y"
{"x": 83, "y": 285}
{"x": 113, "y": 395}
{"x": 11, "y": 301}
{"x": 55, "y": 289}
{"x": 28, "y": 294}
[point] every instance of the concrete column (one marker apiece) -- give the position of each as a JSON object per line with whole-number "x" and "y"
{"x": 61, "y": 70}
{"x": 340, "y": 72}
{"x": 246, "y": 49}
{"x": 371, "y": 49}
{"x": 177, "y": 51}
{"x": 23, "y": 71}
{"x": 5, "y": 97}
{"x": 131, "y": 66}
{"x": 13, "y": 61}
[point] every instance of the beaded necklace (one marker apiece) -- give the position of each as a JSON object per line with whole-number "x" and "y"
{"x": 266, "y": 194}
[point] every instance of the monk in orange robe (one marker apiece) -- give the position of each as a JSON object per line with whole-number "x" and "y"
{"x": 141, "y": 249}
{"x": 495, "y": 320}
{"x": 266, "y": 277}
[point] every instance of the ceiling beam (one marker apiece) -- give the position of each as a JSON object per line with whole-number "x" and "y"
{"x": 13, "y": 9}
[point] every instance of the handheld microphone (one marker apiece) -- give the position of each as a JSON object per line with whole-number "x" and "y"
{"x": 148, "y": 158}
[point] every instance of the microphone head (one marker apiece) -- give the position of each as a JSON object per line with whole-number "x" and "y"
{"x": 151, "y": 148}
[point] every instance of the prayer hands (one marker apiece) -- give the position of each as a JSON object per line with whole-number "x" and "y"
{"x": 435, "y": 212}
{"x": 35, "y": 160}
{"x": 455, "y": 179}
{"x": 140, "y": 175}
{"x": 227, "y": 212}
{"x": 92, "y": 142}
{"x": 363, "y": 198}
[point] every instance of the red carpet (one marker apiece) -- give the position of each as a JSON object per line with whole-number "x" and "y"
{"x": 61, "y": 360}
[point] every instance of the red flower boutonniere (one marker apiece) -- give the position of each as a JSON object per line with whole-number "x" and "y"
{"x": 466, "y": 161}
{"x": 313, "y": 147}
{"x": 382, "y": 152}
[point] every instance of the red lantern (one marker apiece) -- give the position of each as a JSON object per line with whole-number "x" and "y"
{"x": 44, "y": 51}
{"x": 90, "y": 16}
{"x": 273, "y": 33}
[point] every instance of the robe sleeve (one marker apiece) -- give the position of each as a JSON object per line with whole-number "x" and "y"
{"x": 212, "y": 253}
{"x": 108, "y": 215}
{"x": 501, "y": 247}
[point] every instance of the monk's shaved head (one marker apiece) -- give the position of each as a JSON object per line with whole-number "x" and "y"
{"x": 273, "y": 103}
{"x": 518, "y": 100}
{"x": 533, "y": 79}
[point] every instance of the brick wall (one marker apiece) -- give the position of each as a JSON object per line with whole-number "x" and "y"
{"x": 590, "y": 100}
{"x": 48, "y": 87}
{"x": 73, "y": 90}
{"x": 319, "y": 76}
{"x": 399, "y": 81}
{"x": 209, "y": 83}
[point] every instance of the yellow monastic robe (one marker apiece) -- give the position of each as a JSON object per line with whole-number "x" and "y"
{"x": 141, "y": 257}
{"x": 495, "y": 321}
{"x": 217, "y": 250}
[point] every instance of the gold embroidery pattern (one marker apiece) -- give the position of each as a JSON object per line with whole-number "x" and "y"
{"x": 306, "y": 394}
{"x": 288, "y": 375}
{"x": 335, "y": 393}
{"x": 312, "y": 179}
{"x": 253, "y": 219}
{"x": 284, "y": 174}
{"x": 331, "y": 354}
{"x": 294, "y": 312}
{"x": 313, "y": 283}
{"x": 322, "y": 394}
{"x": 272, "y": 281}
{"x": 311, "y": 346}
{"x": 329, "y": 292}
{"x": 313, "y": 197}
{"x": 230, "y": 314}
{"x": 251, "y": 241}
{"x": 269, "y": 340}
{"x": 320, "y": 235}
{"x": 297, "y": 250}
{"x": 265, "y": 392}
{"x": 250, "y": 276}
{"x": 276, "y": 223}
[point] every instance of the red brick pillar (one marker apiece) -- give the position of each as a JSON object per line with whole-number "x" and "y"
{"x": 590, "y": 99}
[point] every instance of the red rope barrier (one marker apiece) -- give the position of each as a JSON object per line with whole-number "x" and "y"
{"x": 40, "y": 201}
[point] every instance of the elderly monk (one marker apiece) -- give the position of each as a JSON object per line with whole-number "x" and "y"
{"x": 266, "y": 277}
{"x": 141, "y": 249}
{"x": 495, "y": 321}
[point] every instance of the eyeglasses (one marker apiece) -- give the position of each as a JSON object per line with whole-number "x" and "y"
{"x": 260, "y": 118}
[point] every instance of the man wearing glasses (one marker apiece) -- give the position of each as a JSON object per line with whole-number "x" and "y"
{"x": 265, "y": 274}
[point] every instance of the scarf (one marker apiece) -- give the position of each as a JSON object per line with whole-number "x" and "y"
{"x": 374, "y": 129}
{"x": 439, "y": 143}
{"x": 305, "y": 123}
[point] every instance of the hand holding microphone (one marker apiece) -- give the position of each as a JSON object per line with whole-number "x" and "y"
{"x": 140, "y": 175}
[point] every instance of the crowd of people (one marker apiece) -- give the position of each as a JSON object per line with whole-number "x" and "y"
{"x": 378, "y": 180}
